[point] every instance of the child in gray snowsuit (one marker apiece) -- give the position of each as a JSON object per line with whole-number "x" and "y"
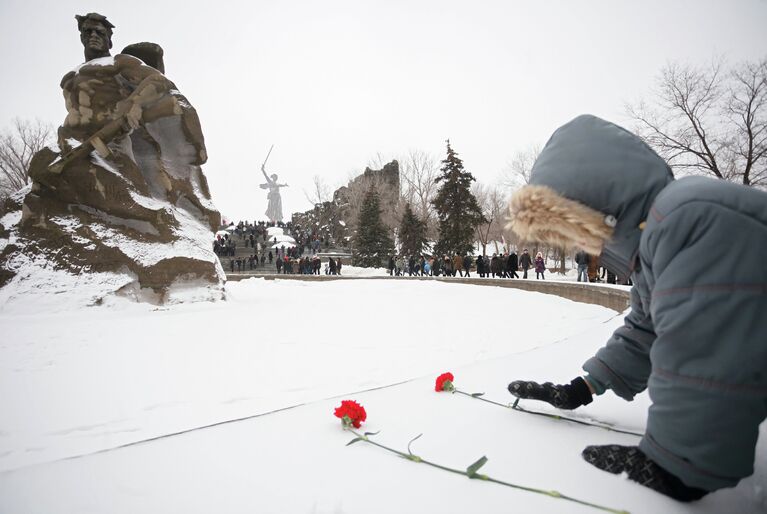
{"x": 696, "y": 340}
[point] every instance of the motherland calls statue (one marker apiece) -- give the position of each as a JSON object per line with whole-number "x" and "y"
{"x": 123, "y": 202}
{"x": 274, "y": 208}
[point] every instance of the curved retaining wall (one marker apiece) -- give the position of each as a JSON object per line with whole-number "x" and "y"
{"x": 611, "y": 297}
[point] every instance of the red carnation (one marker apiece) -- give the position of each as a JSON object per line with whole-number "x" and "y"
{"x": 444, "y": 382}
{"x": 351, "y": 413}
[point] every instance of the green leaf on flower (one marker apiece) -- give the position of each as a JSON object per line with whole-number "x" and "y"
{"x": 477, "y": 395}
{"x": 472, "y": 470}
{"x": 411, "y": 442}
{"x": 372, "y": 433}
{"x": 353, "y": 441}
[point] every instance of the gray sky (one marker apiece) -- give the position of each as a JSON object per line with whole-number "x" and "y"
{"x": 333, "y": 83}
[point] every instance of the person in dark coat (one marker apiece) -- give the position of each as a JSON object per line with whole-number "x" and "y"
{"x": 512, "y": 265}
{"x": 503, "y": 262}
{"x": 694, "y": 339}
{"x": 525, "y": 262}
{"x": 582, "y": 260}
{"x": 495, "y": 267}
{"x": 467, "y": 265}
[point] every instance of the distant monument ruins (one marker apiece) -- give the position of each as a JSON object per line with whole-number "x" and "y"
{"x": 336, "y": 219}
{"x": 122, "y": 204}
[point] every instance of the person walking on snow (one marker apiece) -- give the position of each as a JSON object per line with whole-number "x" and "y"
{"x": 512, "y": 264}
{"x": 525, "y": 262}
{"x": 582, "y": 260}
{"x": 540, "y": 266}
{"x": 694, "y": 339}
{"x": 467, "y": 264}
{"x": 457, "y": 265}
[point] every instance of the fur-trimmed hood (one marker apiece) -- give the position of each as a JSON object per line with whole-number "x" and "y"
{"x": 591, "y": 187}
{"x": 538, "y": 213}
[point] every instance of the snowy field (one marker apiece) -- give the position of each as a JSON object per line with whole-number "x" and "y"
{"x": 87, "y": 394}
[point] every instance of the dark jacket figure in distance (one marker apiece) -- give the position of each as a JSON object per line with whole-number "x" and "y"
{"x": 512, "y": 265}
{"x": 695, "y": 339}
{"x": 582, "y": 260}
{"x": 480, "y": 266}
{"x": 525, "y": 262}
{"x": 467, "y": 264}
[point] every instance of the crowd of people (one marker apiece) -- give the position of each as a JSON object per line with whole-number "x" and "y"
{"x": 498, "y": 266}
{"x": 288, "y": 264}
{"x": 256, "y": 235}
{"x": 274, "y": 252}
{"x": 505, "y": 265}
{"x": 303, "y": 257}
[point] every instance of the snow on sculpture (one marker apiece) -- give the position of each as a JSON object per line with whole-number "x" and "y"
{"x": 122, "y": 203}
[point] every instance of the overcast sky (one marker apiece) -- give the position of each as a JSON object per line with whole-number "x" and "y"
{"x": 333, "y": 83}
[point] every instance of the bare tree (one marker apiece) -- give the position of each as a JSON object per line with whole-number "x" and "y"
{"x": 417, "y": 173}
{"x": 493, "y": 204}
{"x": 709, "y": 120}
{"x": 319, "y": 193}
{"x": 17, "y": 146}
{"x": 518, "y": 170}
{"x": 747, "y": 110}
{"x": 517, "y": 174}
{"x": 320, "y": 197}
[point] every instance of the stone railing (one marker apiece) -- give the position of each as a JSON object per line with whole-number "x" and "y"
{"x": 615, "y": 298}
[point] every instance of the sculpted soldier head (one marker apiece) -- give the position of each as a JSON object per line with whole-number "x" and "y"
{"x": 95, "y": 35}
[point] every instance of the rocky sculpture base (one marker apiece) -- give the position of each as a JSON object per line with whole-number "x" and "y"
{"x": 86, "y": 256}
{"x": 130, "y": 216}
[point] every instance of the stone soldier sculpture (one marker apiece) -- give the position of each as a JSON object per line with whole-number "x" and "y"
{"x": 125, "y": 194}
{"x": 95, "y": 35}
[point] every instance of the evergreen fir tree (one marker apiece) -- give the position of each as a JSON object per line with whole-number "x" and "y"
{"x": 372, "y": 243}
{"x": 457, "y": 208}
{"x": 412, "y": 233}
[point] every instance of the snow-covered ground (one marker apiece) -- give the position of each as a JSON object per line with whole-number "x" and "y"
{"x": 87, "y": 394}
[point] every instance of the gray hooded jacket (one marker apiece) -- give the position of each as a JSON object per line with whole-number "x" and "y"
{"x": 696, "y": 335}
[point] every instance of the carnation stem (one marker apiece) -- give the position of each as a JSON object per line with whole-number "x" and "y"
{"x": 516, "y": 407}
{"x": 477, "y": 476}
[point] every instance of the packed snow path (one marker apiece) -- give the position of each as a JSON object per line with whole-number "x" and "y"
{"x": 82, "y": 383}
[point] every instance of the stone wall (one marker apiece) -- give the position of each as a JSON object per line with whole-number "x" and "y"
{"x": 615, "y": 298}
